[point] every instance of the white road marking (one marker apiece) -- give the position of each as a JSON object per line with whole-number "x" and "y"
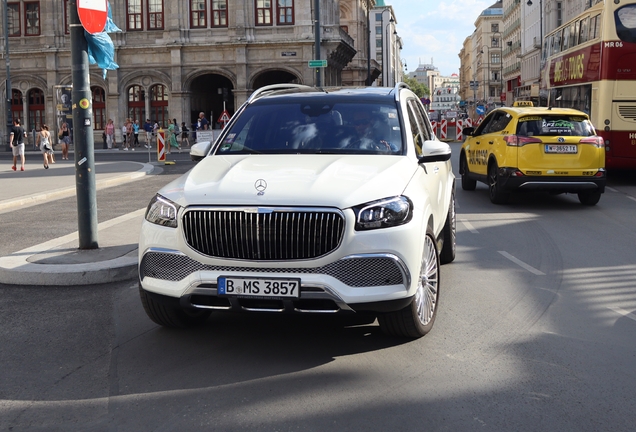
{"x": 469, "y": 226}
{"x": 521, "y": 263}
{"x": 611, "y": 189}
{"x": 632, "y": 198}
{"x": 623, "y": 312}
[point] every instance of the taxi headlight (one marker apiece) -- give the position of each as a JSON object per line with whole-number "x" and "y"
{"x": 384, "y": 213}
{"x": 162, "y": 211}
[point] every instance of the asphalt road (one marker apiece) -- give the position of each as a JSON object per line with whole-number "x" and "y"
{"x": 535, "y": 332}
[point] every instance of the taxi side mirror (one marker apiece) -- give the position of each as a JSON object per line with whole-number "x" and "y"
{"x": 468, "y": 131}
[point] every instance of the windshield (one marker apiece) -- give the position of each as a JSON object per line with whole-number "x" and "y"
{"x": 552, "y": 125}
{"x": 314, "y": 126}
{"x": 625, "y": 18}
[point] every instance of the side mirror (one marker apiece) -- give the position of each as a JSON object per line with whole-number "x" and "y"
{"x": 468, "y": 131}
{"x": 200, "y": 150}
{"x": 435, "y": 151}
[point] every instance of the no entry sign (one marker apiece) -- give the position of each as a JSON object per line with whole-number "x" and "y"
{"x": 93, "y": 14}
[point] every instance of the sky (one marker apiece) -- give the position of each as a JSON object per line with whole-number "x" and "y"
{"x": 435, "y": 30}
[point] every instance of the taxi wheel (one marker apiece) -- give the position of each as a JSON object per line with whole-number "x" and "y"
{"x": 589, "y": 198}
{"x": 497, "y": 196}
{"x": 170, "y": 316}
{"x": 416, "y": 319}
{"x": 468, "y": 184}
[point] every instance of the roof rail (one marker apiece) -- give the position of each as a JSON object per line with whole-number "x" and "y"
{"x": 270, "y": 88}
{"x": 397, "y": 88}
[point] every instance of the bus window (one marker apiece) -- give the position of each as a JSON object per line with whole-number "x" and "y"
{"x": 566, "y": 38}
{"x": 574, "y": 33}
{"x": 595, "y": 23}
{"x": 583, "y": 30}
{"x": 556, "y": 48}
{"x": 625, "y": 18}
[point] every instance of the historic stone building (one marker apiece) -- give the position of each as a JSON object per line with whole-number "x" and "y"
{"x": 180, "y": 57}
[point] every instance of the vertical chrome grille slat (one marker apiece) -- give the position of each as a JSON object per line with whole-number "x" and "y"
{"x": 277, "y": 235}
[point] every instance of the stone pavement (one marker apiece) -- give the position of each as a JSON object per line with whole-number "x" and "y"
{"x": 60, "y": 261}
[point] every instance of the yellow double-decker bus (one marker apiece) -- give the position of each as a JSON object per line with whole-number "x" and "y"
{"x": 589, "y": 64}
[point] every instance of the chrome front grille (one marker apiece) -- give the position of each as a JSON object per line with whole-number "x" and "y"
{"x": 354, "y": 272}
{"x": 263, "y": 234}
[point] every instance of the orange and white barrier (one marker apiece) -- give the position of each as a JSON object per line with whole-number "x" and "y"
{"x": 434, "y": 124}
{"x": 443, "y": 129}
{"x": 161, "y": 145}
{"x": 458, "y": 130}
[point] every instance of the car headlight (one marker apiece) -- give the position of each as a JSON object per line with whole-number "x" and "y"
{"x": 384, "y": 213}
{"x": 162, "y": 211}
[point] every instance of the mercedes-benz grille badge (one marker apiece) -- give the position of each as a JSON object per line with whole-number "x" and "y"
{"x": 260, "y": 186}
{"x": 561, "y": 139}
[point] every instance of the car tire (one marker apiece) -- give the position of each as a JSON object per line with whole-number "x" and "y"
{"x": 449, "y": 234}
{"x": 589, "y": 198}
{"x": 417, "y": 319}
{"x": 169, "y": 316}
{"x": 497, "y": 196}
{"x": 468, "y": 184}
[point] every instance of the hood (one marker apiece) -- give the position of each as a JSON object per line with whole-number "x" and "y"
{"x": 292, "y": 180}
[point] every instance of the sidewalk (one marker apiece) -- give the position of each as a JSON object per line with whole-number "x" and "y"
{"x": 60, "y": 262}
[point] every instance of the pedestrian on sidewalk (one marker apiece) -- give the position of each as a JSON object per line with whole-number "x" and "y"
{"x": 124, "y": 132}
{"x": 110, "y": 133}
{"x": 65, "y": 139}
{"x": 148, "y": 129}
{"x": 16, "y": 138}
{"x": 184, "y": 134}
{"x": 46, "y": 147}
{"x": 135, "y": 127}
{"x": 173, "y": 130}
{"x": 129, "y": 134}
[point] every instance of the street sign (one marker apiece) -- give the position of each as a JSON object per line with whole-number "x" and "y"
{"x": 481, "y": 110}
{"x": 93, "y": 14}
{"x": 317, "y": 63}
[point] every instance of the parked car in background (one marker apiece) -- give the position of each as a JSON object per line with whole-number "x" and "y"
{"x": 312, "y": 201}
{"x": 525, "y": 148}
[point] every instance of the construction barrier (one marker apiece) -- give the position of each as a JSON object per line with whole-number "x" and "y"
{"x": 161, "y": 145}
{"x": 458, "y": 130}
{"x": 443, "y": 132}
{"x": 468, "y": 122}
{"x": 434, "y": 124}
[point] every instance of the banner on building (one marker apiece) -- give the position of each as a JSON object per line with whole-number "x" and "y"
{"x": 63, "y": 109}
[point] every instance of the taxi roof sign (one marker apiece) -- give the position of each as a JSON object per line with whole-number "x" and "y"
{"x": 523, "y": 104}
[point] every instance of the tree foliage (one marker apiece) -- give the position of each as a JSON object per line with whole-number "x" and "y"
{"x": 418, "y": 88}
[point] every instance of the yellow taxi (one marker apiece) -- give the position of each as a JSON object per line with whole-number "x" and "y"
{"x": 526, "y": 148}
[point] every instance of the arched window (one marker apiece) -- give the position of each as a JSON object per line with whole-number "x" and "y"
{"x": 159, "y": 105}
{"x": 36, "y": 110}
{"x": 16, "y": 105}
{"x": 136, "y": 103}
{"x": 99, "y": 108}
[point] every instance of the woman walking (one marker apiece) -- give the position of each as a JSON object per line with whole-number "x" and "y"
{"x": 110, "y": 133}
{"x": 44, "y": 139}
{"x": 65, "y": 139}
{"x": 184, "y": 134}
{"x": 173, "y": 130}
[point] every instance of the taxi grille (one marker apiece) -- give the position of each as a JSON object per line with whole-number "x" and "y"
{"x": 263, "y": 234}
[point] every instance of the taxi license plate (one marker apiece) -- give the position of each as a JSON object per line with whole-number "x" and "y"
{"x": 258, "y": 287}
{"x": 560, "y": 148}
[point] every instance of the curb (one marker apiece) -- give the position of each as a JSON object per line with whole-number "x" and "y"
{"x": 15, "y": 269}
{"x": 31, "y": 200}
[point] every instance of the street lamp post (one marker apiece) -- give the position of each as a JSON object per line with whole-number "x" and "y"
{"x": 385, "y": 50}
{"x": 499, "y": 44}
{"x": 7, "y": 87}
{"x": 540, "y": 41}
{"x": 487, "y": 81}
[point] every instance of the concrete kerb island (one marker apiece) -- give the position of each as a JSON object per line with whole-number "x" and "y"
{"x": 60, "y": 262}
